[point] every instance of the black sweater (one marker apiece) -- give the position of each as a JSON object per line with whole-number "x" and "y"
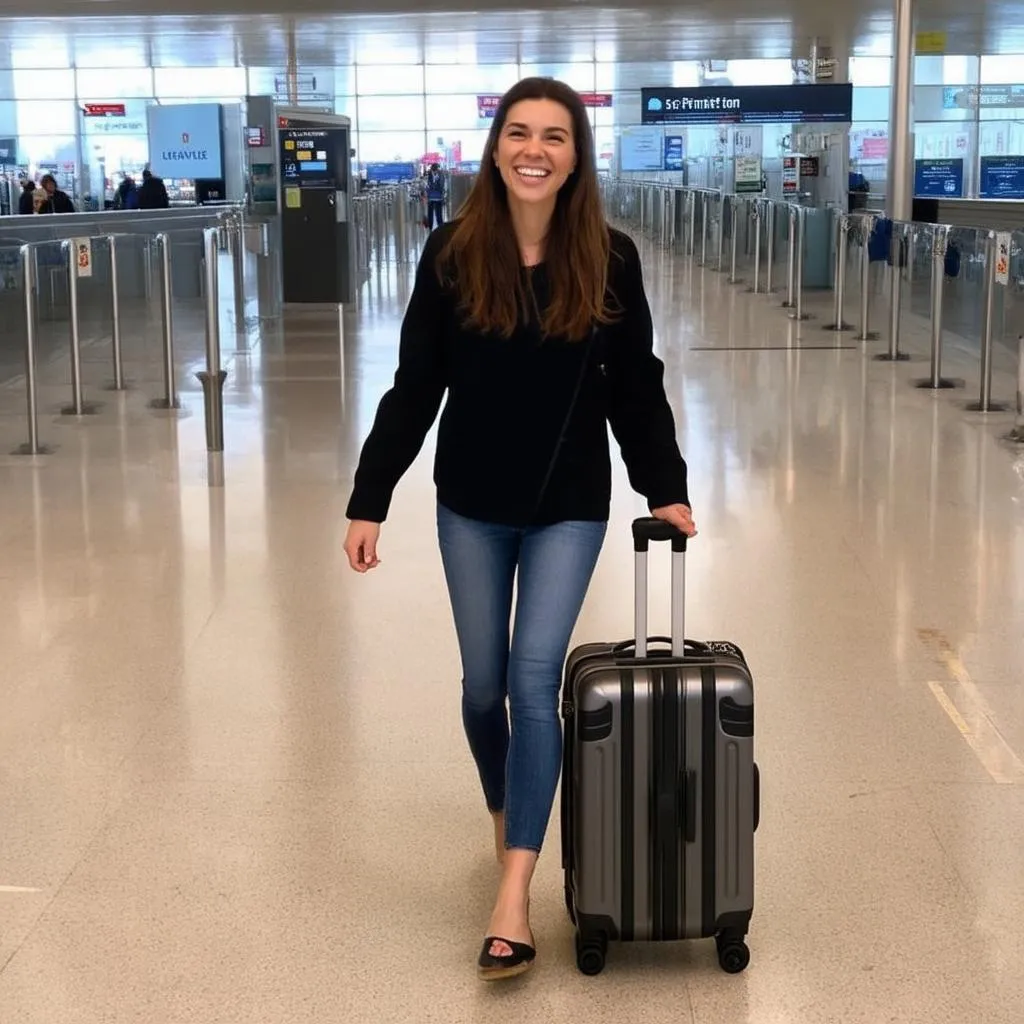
{"x": 507, "y": 401}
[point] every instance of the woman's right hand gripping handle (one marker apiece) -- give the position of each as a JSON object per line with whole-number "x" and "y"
{"x": 361, "y": 545}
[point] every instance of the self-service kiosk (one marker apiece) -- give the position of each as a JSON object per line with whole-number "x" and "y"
{"x": 314, "y": 153}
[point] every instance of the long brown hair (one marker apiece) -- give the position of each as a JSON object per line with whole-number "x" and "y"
{"x": 482, "y": 260}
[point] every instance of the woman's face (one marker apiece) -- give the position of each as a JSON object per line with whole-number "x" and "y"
{"x": 536, "y": 150}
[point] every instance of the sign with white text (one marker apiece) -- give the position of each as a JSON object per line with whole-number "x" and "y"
{"x": 748, "y": 104}
{"x": 185, "y": 141}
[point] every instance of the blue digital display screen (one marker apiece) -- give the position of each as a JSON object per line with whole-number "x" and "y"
{"x": 939, "y": 179}
{"x": 1002, "y": 177}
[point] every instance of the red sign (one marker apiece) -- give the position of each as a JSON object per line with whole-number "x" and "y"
{"x": 876, "y": 148}
{"x": 103, "y": 109}
{"x": 487, "y": 106}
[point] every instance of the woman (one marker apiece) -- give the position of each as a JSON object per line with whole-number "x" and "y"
{"x": 54, "y": 200}
{"x": 531, "y": 314}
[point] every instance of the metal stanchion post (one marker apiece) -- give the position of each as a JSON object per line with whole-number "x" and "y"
{"x": 755, "y": 217}
{"x": 78, "y": 405}
{"x": 28, "y": 267}
{"x": 867, "y": 226}
{"x": 237, "y": 246}
{"x": 769, "y": 282}
{"x": 1017, "y": 434}
{"x": 791, "y": 261}
{"x": 115, "y": 316}
{"x": 839, "y": 286}
{"x": 798, "y": 313}
{"x": 898, "y": 257}
{"x": 733, "y": 242}
{"x": 213, "y": 377}
{"x": 985, "y": 403}
{"x": 691, "y": 236}
{"x": 170, "y": 399}
{"x": 704, "y": 198}
{"x": 721, "y": 231}
{"x": 936, "y": 381}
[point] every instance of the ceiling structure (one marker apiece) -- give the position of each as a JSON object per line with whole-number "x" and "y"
{"x": 254, "y": 33}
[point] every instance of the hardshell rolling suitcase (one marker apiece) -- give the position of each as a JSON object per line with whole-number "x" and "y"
{"x": 660, "y": 792}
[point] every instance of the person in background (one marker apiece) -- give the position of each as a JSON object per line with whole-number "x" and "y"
{"x": 435, "y": 188}
{"x": 55, "y": 200}
{"x": 153, "y": 193}
{"x": 859, "y": 190}
{"x": 25, "y": 206}
{"x": 127, "y": 195}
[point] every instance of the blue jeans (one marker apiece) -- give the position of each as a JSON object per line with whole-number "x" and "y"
{"x": 519, "y": 766}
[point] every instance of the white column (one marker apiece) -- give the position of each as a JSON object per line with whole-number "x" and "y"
{"x": 900, "y": 186}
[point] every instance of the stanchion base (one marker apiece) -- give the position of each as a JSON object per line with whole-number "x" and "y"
{"x": 735, "y": 280}
{"x": 991, "y": 407}
{"x": 945, "y": 383}
{"x": 869, "y": 336}
{"x": 88, "y": 409}
{"x": 788, "y": 305}
{"x": 801, "y": 318}
{"x": 162, "y": 403}
{"x": 111, "y": 386}
{"x": 838, "y": 327}
{"x": 1016, "y": 435}
{"x": 888, "y": 357}
{"x": 26, "y": 449}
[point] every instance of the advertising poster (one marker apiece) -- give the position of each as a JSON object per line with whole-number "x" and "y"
{"x": 185, "y": 141}
{"x": 790, "y": 176}
{"x": 673, "y": 152}
{"x": 748, "y": 174}
{"x": 642, "y": 149}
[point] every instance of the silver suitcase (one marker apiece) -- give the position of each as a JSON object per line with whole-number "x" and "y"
{"x": 660, "y": 791}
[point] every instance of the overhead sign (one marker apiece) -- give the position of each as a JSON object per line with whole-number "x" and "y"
{"x": 1002, "y": 177}
{"x": 939, "y": 179}
{"x": 931, "y": 42}
{"x": 487, "y": 106}
{"x": 754, "y": 104}
{"x": 185, "y": 141}
{"x": 971, "y": 97}
{"x": 103, "y": 109}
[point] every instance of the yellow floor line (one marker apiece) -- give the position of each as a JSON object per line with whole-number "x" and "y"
{"x": 971, "y": 714}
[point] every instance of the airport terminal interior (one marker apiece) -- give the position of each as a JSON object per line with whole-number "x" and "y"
{"x": 234, "y": 783}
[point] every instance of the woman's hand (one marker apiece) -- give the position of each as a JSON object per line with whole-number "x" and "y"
{"x": 679, "y": 516}
{"x": 361, "y": 545}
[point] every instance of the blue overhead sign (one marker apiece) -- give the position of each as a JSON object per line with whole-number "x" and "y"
{"x": 748, "y": 104}
{"x": 185, "y": 141}
{"x": 1002, "y": 177}
{"x": 939, "y": 179}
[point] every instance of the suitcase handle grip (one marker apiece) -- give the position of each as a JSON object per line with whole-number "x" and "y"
{"x": 650, "y": 529}
{"x": 688, "y": 805}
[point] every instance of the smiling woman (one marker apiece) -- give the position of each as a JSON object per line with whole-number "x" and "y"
{"x": 530, "y": 313}
{"x": 535, "y": 200}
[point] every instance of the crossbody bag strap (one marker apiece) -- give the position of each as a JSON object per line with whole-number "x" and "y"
{"x": 584, "y": 363}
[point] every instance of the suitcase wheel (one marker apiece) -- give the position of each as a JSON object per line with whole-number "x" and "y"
{"x": 590, "y": 953}
{"x": 733, "y": 954}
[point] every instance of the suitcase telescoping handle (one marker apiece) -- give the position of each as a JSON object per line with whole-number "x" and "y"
{"x": 644, "y": 532}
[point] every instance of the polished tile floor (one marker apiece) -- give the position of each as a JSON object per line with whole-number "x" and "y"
{"x": 233, "y": 785}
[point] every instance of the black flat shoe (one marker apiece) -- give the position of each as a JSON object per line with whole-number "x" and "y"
{"x": 496, "y": 968}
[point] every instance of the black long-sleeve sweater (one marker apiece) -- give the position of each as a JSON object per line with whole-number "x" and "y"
{"x": 507, "y": 401}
